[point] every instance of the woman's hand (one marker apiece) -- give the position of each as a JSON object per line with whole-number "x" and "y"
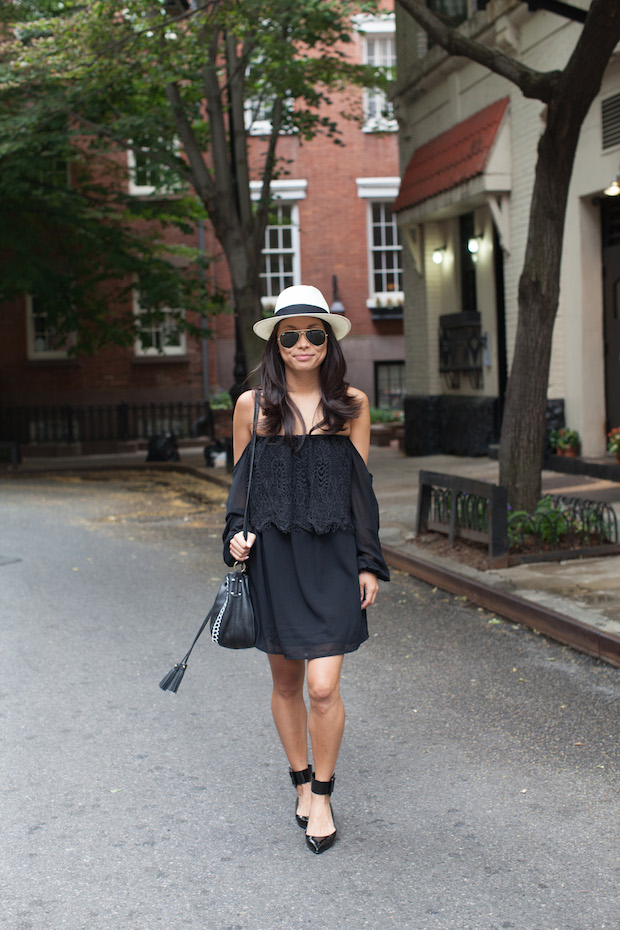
{"x": 369, "y": 586}
{"x": 240, "y": 546}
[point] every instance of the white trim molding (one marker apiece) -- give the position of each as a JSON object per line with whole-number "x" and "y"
{"x": 281, "y": 190}
{"x": 377, "y": 188}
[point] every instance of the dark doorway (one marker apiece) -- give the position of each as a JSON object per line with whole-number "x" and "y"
{"x": 610, "y": 210}
{"x": 500, "y": 304}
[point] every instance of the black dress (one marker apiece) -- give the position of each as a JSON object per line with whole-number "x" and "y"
{"x": 316, "y": 519}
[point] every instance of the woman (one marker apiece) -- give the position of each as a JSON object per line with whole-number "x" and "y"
{"x": 314, "y": 554}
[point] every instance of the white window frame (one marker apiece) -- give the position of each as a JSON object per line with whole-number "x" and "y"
{"x": 291, "y": 191}
{"x": 144, "y": 190}
{"x": 378, "y": 190}
{"x": 34, "y": 352}
{"x": 380, "y": 28}
{"x": 168, "y": 351}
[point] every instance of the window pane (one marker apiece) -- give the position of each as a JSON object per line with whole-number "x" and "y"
{"x": 386, "y": 249}
{"x": 390, "y": 385}
{"x": 278, "y": 260}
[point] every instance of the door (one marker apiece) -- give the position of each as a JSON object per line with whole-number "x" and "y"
{"x": 611, "y": 309}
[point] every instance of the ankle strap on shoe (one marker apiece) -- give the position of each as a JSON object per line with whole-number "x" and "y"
{"x": 301, "y": 778}
{"x": 323, "y": 787}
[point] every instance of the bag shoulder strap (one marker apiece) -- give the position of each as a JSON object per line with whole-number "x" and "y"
{"x": 252, "y": 451}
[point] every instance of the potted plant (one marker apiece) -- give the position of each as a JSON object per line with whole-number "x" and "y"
{"x": 565, "y": 441}
{"x": 613, "y": 442}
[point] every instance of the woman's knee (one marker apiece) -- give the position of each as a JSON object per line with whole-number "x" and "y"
{"x": 288, "y": 679}
{"x": 323, "y": 695}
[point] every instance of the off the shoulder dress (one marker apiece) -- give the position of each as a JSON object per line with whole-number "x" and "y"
{"x": 316, "y": 519}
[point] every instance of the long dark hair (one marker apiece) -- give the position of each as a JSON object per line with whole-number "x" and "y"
{"x": 279, "y": 410}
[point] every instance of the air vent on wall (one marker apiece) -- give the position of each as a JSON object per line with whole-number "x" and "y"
{"x": 610, "y": 119}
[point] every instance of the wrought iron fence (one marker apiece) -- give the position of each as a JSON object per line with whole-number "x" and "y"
{"x": 559, "y": 527}
{"x": 97, "y": 423}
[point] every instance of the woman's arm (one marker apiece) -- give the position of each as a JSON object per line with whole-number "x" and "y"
{"x": 360, "y": 426}
{"x": 243, "y": 419}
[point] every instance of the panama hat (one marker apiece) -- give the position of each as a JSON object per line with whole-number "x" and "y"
{"x": 302, "y": 300}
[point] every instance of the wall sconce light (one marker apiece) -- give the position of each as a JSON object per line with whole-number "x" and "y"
{"x": 438, "y": 254}
{"x": 473, "y": 244}
{"x": 614, "y": 188}
{"x": 337, "y": 305}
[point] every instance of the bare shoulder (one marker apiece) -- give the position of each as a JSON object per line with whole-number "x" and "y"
{"x": 244, "y": 408}
{"x": 242, "y": 422}
{"x": 358, "y": 396}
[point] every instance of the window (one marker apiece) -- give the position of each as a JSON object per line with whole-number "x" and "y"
{"x": 281, "y": 258}
{"x": 43, "y": 339}
{"x": 159, "y": 332}
{"x": 452, "y": 12}
{"x": 280, "y": 254}
{"x": 385, "y": 273}
{"x": 147, "y": 176}
{"x": 389, "y": 385}
{"x": 386, "y": 250}
{"x": 378, "y": 50}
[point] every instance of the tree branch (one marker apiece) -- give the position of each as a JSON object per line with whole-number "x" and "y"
{"x": 539, "y": 85}
{"x": 202, "y": 180}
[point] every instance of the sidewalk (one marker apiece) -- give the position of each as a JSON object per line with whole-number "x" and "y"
{"x": 579, "y": 600}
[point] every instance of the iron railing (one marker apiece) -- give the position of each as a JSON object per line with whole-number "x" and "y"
{"x": 102, "y": 423}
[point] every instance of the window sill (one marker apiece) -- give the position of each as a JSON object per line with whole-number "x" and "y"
{"x": 386, "y": 313}
{"x": 380, "y": 126}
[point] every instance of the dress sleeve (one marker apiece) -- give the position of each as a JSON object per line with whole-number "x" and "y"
{"x": 365, "y": 513}
{"x": 235, "y": 505}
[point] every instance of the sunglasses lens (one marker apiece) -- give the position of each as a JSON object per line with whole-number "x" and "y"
{"x": 315, "y": 336}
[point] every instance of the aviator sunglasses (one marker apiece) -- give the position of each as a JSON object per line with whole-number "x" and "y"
{"x": 315, "y": 337}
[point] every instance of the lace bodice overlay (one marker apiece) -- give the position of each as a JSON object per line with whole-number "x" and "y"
{"x": 320, "y": 485}
{"x": 308, "y": 488}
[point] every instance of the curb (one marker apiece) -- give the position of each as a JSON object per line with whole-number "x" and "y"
{"x": 223, "y": 482}
{"x": 560, "y": 627}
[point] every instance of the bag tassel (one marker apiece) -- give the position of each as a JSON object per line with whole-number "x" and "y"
{"x": 173, "y": 679}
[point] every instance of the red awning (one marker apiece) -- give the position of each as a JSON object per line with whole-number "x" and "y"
{"x": 455, "y": 156}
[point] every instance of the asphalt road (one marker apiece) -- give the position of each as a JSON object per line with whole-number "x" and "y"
{"x": 477, "y": 789}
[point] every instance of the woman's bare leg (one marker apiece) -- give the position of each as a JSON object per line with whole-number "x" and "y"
{"x": 291, "y": 718}
{"x": 326, "y": 725}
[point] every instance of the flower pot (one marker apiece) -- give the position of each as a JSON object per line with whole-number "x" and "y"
{"x": 571, "y": 453}
{"x": 618, "y": 457}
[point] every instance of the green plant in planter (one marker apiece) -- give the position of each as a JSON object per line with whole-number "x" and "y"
{"x": 377, "y": 415}
{"x": 564, "y": 439}
{"x": 222, "y": 401}
{"x": 613, "y": 440}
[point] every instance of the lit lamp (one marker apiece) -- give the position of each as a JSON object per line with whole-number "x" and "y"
{"x": 473, "y": 244}
{"x": 337, "y": 305}
{"x": 438, "y": 254}
{"x": 614, "y": 188}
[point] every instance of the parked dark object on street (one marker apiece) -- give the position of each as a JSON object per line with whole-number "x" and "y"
{"x": 213, "y": 449}
{"x": 163, "y": 449}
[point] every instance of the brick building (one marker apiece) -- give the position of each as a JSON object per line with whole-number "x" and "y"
{"x": 333, "y": 223}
